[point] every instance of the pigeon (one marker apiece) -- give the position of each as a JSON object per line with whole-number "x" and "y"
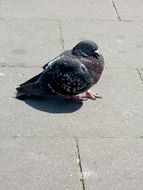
{"x": 71, "y": 74}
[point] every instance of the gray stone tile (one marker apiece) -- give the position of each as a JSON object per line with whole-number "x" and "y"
{"x": 55, "y": 9}
{"x": 120, "y": 42}
{"x": 35, "y": 164}
{"x": 119, "y": 113}
{"x": 112, "y": 163}
{"x": 28, "y": 42}
{"x": 130, "y": 10}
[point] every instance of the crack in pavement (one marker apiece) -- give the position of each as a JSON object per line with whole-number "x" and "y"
{"x": 140, "y": 75}
{"x": 61, "y": 37}
{"x": 79, "y": 165}
{"x": 117, "y": 13}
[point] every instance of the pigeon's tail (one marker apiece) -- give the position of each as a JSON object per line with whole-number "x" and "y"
{"x": 32, "y": 80}
{"x": 32, "y": 89}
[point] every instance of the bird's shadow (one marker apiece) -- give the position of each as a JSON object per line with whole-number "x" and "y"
{"x": 54, "y": 104}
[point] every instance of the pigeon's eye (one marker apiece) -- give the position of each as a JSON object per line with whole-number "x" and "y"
{"x": 84, "y": 54}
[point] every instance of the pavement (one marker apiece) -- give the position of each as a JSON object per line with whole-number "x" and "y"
{"x": 54, "y": 144}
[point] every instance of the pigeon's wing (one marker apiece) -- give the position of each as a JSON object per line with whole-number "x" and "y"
{"x": 32, "y": 80}
{"x": 67, "y": 76}
{"x": 36, "y": 78}
{"x": 65, "y": 53}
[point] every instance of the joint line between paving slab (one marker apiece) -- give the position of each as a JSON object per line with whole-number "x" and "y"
{"x": 39, "y": 66}
{"x": 69, "y": 137}
{"x": 79, "y": 164}
{"x": 140, "y": 75}
{"x": 116, "y": 11}
{"x": 61, "y": 37}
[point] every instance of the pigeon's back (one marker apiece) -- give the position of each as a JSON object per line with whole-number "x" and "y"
{"x": 67, "y": 76}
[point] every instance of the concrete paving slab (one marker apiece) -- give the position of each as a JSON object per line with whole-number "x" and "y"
{"x": 55, "y": 9}
{"x": 35, "y": 164}
{"x": 28, "y": 42}
{"x": 130, "y": 10}
{"x": 120, "y": 42}
{"x": 112, "y": 163}
{"x": 119, "y": 113}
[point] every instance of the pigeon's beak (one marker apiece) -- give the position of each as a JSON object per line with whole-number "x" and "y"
{"x": 96, "y": 54}
{"x": 97, "y": 51}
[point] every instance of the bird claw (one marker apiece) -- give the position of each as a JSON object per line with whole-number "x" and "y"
{"x": 88, "y": 95}
{"x": 91, "y": 95}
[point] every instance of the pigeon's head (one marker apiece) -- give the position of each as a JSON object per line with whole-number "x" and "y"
{"x": 86, "y": 48}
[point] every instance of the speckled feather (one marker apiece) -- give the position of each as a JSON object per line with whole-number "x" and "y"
{"x": 66, "y": 75}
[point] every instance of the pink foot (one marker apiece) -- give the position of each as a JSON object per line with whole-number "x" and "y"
{"x": 88, "y": 95}
{"x": 91, "y": 95}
